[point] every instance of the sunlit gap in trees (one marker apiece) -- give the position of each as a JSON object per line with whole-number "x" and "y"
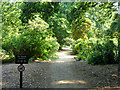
{"x": 116, "y": 4}
{"x": 3, "y": 83}
{"x": 66, "y": 56}
{"x": 61, "y": 55}
{"x": 60, "y": 61}
{"x": 71, "y": 82}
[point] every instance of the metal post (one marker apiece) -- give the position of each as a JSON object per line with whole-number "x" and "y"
{"x": 21, "y": 79}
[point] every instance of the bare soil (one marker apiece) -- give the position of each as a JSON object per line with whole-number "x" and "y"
{"x": 64, "y": 72}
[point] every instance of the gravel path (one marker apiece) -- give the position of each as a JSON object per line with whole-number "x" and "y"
{"x": 64, "y": 72}
{"x": 34, "y": 76}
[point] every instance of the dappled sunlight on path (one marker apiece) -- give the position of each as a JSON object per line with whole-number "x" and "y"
{"x": 62, "y": 74}
{"x": 65, "y": 55}
{"x": 70, "y": 82}
{"x": 2, "y": 83}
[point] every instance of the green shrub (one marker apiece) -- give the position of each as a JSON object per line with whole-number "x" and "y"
{"x": 8, "y": 60}
{"x": 31, "y": 59}
{"x": 102, "y": 53}
{"x": 95, "y": 58}
{"x": 81, "y": 48}
{"x": 39, "y": 47}
{"x": 108, "y": 54}
{"x": 75, "y": 46}
{"x": 95, "y": 52}
{"x": 36, "y": 41}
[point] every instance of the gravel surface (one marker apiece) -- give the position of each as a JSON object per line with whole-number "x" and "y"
{"x": 64, "y": 72}
{"x": 34, "y": 76}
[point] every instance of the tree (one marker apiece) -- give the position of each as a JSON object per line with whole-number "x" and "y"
{"x": 79, "y": 9}
{"x": 80, "y": 25}
{"x": 52, "y": 13}
{"x": 60, "y": 28}
{"x": 64, "y": 9}
{"x": 102, "y": 16}
{"x": 44, "y": 9}
{"x": 81, "y": 28}
{"x": 10, "y": 21}
{"x": 34, "y": 39}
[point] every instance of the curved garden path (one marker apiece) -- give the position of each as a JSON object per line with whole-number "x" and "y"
{"x": 64, "y": 72}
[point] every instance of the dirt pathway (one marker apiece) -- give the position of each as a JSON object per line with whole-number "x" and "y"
{"x": 64, "y": 72}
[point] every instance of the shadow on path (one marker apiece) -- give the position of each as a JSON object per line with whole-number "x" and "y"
{"x": 62, "y": 74}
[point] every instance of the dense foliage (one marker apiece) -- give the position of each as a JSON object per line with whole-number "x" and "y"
{"x": 102, "y": 53}
{"x": 60, "y": 28}
{"x": 81, "y": 28}
{"x": 34, "y": 39}
{"x": 103, "y": 27}
{"x": 39, "y": 29}
{"x": 44, "y": 9}
{"x": 96, "y": 52}
{"x": 80, "y": 47}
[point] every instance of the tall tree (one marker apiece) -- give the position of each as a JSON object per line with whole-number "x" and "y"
{"x": 80, "y": 25}
{"x": 81, "y": 28}
{"x": 10, "y": 20}
{"x": 102, "y": 16}
{"x": 79, "y": 9}
{"x": 60, "y": 28}
{"x": 44, "y": 9}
